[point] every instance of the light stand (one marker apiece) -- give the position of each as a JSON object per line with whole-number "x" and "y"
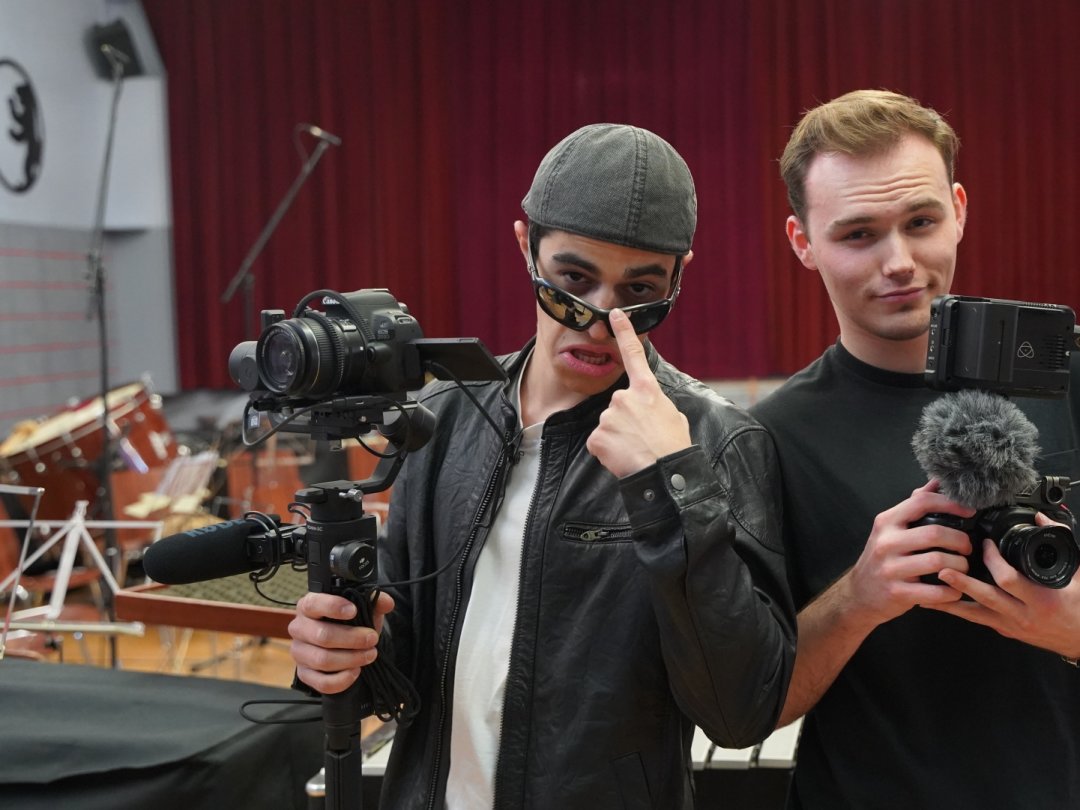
{"x": 96, "y": 272}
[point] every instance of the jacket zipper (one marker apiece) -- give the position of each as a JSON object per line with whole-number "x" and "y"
{"x": 493, "y": 483}
{"x": 517, "y": 613}
{"x": 592, "y": 532}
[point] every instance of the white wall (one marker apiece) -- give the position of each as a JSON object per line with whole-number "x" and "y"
{"x": 45, "y": 232}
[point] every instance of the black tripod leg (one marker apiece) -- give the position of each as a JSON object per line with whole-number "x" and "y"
{"x": 343, "y": 759}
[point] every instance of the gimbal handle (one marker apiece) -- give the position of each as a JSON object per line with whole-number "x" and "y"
{"x": 340, "y": 551}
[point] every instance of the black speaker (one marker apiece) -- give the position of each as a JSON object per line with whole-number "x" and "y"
{"x": 113, "y": 35}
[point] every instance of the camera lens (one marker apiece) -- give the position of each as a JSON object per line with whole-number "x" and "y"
{"x": 282, "y": 358}
{"x": 1044, "y": 554}
{"x": 299, "y": 357}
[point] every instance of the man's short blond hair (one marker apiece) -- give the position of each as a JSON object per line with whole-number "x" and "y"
{"x": 860, "y": 123}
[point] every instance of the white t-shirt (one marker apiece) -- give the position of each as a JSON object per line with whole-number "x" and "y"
{"x": 487, "y": 631}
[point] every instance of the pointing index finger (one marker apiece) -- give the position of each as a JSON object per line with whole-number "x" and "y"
{"x": 633, "y": 353}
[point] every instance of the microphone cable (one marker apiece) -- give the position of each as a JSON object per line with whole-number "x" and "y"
{"x": 394, "y": 698}
{"x": 393, "y": 695}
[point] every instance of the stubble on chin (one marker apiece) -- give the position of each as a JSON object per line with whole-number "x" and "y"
{"x": 915, "y": 326}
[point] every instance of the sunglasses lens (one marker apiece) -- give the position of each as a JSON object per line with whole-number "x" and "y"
{"x": 576, "y": 314}
{"x": 648, "y": 318}
{"x": 563, "y": 309}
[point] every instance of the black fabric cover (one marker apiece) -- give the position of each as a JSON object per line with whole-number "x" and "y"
{"x": 86, "y": 737}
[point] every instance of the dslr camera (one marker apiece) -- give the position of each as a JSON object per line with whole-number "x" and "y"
{"x": 1010, "y": 348}
{"x": 349, "y": 367}
{"x": 363, "y": 342}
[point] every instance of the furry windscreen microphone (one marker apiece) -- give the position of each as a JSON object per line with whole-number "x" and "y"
{"x": 980, "y": 447}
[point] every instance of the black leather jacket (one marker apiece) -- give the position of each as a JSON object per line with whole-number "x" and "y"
{"x": 646, "y": 605}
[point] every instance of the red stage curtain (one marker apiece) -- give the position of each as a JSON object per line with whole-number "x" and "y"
{"x": 376, "y": 211}
{"x": 445, "y": 109}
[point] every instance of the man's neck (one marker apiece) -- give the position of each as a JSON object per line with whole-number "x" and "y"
{"x": 542, "y": 395}
{"x": 902, "y": 356}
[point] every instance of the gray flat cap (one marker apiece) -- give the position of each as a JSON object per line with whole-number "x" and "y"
{"x": 618, "y": 184}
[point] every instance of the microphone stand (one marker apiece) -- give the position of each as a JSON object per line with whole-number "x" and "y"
{"x": 244, "y": 275}
{"x": 96, "y": 274}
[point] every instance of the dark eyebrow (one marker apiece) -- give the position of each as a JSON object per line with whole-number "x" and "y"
{"x": 922, "y": 204}
{"x": 571, "y": 258}
{"x": 646, "y": 270}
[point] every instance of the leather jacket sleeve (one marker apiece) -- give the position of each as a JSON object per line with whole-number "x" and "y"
{"x": 707, "y": 532}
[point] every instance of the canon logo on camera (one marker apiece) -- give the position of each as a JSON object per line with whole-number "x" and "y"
{"x": 22, "y": 134}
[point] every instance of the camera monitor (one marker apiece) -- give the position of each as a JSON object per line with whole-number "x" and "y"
{"x": 1011, "y": 347}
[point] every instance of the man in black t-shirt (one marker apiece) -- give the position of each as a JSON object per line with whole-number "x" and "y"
{"x": 914, "y": 697}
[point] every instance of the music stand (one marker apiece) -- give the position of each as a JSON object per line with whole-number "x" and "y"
{"x": 20, "y": 566}
{"x": 73, "y": 533}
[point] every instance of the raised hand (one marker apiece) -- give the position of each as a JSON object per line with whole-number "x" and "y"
{"x": 641, "y": 424}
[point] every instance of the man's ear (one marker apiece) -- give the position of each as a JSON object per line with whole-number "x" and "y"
{"x": 799, "y": 240}
{"x": 521, "y": 231}
{"x": 687, "y": 258}
{"x": 960, "y": 204}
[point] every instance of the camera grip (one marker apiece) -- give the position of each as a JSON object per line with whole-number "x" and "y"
{"x": 952, "y": 522}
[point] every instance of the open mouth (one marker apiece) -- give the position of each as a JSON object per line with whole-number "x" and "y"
{"x": 592, "y": 358}
{"x": 585, "y": 361}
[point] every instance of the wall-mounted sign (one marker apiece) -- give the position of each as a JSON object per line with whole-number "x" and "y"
{"x": 22, "y": 130}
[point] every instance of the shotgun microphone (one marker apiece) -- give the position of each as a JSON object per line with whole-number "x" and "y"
{"x": 220, "y": 550}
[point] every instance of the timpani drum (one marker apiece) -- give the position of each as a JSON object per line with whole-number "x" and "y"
{"x": 62, "y": 453}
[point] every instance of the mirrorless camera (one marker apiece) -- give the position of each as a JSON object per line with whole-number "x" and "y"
{"x": 1047, "y": 555}
{"x": 1009, "y": 348}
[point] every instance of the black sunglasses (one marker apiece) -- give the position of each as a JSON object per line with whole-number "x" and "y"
{"x": 579, "y": 315}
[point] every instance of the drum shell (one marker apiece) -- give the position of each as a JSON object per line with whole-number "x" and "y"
{"x": 63, "y": 454}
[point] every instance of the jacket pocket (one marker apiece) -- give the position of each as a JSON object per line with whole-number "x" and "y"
{"x": 630, "y": 778}
{"x": 597, "y": 532}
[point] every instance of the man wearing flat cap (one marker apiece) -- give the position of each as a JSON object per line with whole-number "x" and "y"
{"x": 613, "y": 559}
